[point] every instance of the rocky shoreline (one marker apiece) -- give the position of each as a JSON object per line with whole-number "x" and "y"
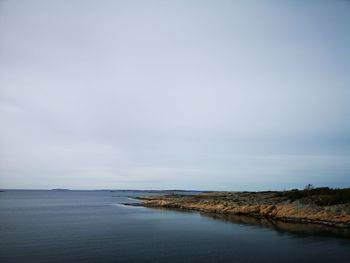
{"x": 307, "y": 206}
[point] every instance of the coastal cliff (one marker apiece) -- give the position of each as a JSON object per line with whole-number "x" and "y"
{"x": 321, "y": 205}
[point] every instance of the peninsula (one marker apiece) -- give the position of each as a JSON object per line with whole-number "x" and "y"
{"x": 320, "y": 205}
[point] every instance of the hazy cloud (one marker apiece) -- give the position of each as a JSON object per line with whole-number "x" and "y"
{"x": 174, "y": 94}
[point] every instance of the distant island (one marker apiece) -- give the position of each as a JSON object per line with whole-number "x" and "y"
{"x": 312, "y": 205}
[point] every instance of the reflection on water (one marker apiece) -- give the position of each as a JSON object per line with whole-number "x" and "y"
{"x": 281, "y": 226}
{"x": 300, "y": 229}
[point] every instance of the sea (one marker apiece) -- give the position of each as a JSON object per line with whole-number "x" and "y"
{"x": 95, "y": 226}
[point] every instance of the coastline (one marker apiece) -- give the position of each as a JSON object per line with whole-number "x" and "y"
{"x": 270, "y": 205}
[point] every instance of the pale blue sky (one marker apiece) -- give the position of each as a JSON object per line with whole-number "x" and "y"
{"x": 220, "y": 95}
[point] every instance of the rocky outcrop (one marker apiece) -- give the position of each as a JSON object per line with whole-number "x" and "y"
{"x": 271, "y": 205}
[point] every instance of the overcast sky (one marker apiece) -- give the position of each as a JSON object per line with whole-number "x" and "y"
{"x": 218, "y": 95}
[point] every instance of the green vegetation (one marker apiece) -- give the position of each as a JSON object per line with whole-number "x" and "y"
{"x": 321, "y": 196}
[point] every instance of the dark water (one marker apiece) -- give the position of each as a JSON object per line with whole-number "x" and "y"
{"x": 92, "y": 226}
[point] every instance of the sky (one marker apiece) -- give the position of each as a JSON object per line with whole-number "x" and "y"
{"x": 207, "y": 95}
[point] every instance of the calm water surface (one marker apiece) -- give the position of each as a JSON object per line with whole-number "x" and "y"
{"x": 94, "y": 226}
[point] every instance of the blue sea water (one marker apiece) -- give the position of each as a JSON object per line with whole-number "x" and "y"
{"x": 95, "y": 226}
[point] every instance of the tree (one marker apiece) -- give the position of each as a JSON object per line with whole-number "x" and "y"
{"x": 309, "y": 187}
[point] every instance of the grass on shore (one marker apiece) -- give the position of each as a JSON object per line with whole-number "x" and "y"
{"x": 321, "y": 196}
